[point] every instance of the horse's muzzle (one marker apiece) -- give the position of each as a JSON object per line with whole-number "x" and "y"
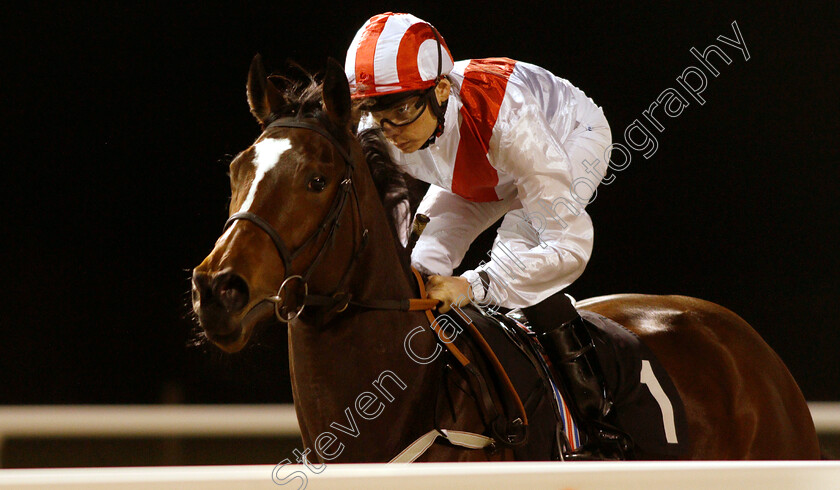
{"x": 218, "y": 299}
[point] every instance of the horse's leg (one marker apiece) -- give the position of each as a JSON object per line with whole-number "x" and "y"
{"x": 741, "y": 401}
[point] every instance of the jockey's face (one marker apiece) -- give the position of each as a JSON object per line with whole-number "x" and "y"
{"x": 410, "y": 137}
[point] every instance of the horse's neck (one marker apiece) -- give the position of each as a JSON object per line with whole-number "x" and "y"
{"x": 354, "y": 372}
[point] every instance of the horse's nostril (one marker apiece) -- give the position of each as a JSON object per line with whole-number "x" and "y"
{"x": 231, "y": 291}
{"x": 200, "y": 285}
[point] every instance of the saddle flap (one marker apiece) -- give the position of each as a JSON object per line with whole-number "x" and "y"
{"x": 516, "y": 381}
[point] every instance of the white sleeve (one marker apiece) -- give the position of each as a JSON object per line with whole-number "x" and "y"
{"x": 543, "y": 247}
{"x": 455, "y": 223}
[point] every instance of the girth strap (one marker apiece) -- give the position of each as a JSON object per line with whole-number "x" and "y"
{"x": 455, "y": 437}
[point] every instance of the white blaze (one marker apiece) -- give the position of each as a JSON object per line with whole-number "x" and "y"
{"x": 266, "y": 154}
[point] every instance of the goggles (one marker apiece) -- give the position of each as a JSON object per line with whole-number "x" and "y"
{"x": 404, "y": 113}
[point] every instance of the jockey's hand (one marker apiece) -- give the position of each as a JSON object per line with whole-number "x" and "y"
{"x": 448, "y": 290}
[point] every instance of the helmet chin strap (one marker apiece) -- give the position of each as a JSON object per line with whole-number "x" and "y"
{"x": 438, "y": 109}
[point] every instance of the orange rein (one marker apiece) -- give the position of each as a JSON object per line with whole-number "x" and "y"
{"x": 428, "y": 305}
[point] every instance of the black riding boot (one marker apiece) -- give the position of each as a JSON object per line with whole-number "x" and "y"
{"x": 570, "y": 348}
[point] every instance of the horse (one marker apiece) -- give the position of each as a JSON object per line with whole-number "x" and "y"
{"x": 310, "y": 243}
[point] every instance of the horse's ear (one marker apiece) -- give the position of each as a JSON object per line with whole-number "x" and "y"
{"x": 263, "y": 97}
{"x": 336, "y": 94}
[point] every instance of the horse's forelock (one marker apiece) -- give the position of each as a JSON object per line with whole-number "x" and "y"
{"x": 301, "y": 92}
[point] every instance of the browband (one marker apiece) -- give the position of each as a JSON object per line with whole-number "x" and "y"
{"x": 291, "y": 122}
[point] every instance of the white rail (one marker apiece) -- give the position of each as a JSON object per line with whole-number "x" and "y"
{"x": 202, "y": 420}
{"x": 581, "y": 476}
{"x": 826, "y": 416}
{"x": 148, "y": 420}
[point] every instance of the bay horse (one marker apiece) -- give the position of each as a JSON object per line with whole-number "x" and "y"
{"x": 308, "y": 221}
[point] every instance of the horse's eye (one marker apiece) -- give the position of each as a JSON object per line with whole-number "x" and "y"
{"x": 317, "y": 184}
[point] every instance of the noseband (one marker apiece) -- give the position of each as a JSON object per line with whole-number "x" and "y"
{"x": 330, "y": 222}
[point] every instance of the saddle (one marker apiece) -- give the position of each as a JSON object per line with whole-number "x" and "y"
{"x": 529, "y": 413}
{"x": 547, "y": 427}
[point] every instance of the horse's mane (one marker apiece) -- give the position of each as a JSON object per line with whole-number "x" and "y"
{"x": 397, "y": 190}
{"x": 393, "y": 185}
{"x": 302, "y": 92}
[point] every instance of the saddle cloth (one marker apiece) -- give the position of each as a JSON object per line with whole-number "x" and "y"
{"x": 646, "y": 406}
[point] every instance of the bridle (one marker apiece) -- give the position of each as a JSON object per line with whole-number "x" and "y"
{"x": 330, "y": 222}
{"x": 340, "y": 299}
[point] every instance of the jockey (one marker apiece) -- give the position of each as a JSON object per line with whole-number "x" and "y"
{"x": 494, "y": 137}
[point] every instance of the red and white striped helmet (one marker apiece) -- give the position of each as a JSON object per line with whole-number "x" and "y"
{"x": 395, "y": 53}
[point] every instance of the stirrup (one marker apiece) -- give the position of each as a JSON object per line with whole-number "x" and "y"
{"x": 607, "y": 444}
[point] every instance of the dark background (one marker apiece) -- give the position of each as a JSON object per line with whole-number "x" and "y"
{"x": 119, "y": 122}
